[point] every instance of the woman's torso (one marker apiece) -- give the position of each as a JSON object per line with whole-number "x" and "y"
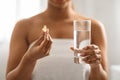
{"x": 59, "y": 65}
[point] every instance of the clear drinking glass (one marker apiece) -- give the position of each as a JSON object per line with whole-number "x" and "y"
{"x": 82, "y": 37}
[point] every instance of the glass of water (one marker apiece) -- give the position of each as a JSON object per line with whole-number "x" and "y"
{"x": 82, "y": 37}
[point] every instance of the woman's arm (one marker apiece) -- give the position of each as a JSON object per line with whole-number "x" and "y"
{"x": 22, "y": 59}
{"x": 95, "y": 54}
{"x": 99, "y": 71}
{"x": 17, "y": 68}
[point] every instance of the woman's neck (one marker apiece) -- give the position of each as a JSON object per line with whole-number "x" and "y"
{"x": 60, "y": 13}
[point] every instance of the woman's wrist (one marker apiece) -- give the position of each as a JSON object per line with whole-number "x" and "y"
{"x": 95, "y": 66}
{"x": 28, "y": 58}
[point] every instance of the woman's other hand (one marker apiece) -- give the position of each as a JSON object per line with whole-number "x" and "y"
{"x": 91, "y": 54}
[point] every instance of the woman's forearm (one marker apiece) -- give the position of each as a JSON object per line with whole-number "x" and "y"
{"x": 98, "y": 73}
{"x": 23, "y": 71}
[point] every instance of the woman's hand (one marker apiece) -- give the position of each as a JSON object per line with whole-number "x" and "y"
{"x": 91, "y": 54}
{"x": 41, "y": 47}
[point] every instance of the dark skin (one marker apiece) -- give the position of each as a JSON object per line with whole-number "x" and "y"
{"x": 59, "y": 18}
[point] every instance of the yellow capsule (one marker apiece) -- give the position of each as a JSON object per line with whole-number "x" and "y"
{"x": 44, "y": 28}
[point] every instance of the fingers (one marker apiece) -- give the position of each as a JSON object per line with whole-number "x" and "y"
{"x": 72, "y": 48}
{"x": 92, "y": 59}
{"x": 92, "y": 46}
{"x": 91, "y": 54}
{"x": 41, "y": 38}
{"x": 46, "y": 43}
{"x": 41, "y": 47}
{"x": 84, "y": 53}
{"x": 48, "y": 46}
{"x": 76, "y": 50}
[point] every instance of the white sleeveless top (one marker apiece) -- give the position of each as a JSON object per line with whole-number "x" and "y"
{"x": 59, "y": 65}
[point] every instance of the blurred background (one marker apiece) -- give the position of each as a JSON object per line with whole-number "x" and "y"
{"x": 106, "y": 11}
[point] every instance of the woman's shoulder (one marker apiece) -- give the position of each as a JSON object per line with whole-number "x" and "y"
{"x": 28, "y": 23}
{"x": 23, "y": 23}
{"x": 30, "y": 20}
{"x": 95, "y": 23}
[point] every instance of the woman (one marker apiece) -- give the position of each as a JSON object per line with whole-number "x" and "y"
{"x": 58, "y": 17}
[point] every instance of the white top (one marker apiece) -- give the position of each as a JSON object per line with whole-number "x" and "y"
{"x": 60, "y": 65}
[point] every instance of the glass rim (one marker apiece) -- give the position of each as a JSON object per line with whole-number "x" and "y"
{"x": 83, "y": 20}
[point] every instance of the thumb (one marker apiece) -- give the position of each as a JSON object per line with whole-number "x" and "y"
{"x": 76, "y": 50}
{"x": 72, "y": 48}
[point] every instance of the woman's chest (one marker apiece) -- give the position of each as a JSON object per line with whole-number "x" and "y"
{"x": 58, "y": 30}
